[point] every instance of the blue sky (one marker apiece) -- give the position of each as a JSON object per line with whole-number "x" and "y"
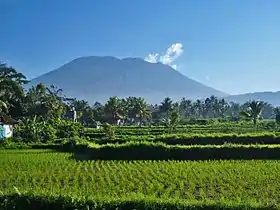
{"x": 231, "y": 45}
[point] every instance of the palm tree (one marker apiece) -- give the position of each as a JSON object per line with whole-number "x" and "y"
{"x": 234, "y": 110}
{"x": 198, "y": 107}
{"x": 185, "y": 107}
{"x": 113, "y": 109}
{"x": 141, "y": 110}
{"x": 128, "y": 108}
{"x": 208, "y": 105}
{"x": 254, "y": 111}
{"x": 221, "y": 107}
{"x": 166, "y": 106}
{"x": 80, "y": 105}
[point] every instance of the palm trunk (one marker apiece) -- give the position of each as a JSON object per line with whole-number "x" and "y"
{"x": 140, "y": 120}
{"x": 255, "y": 121}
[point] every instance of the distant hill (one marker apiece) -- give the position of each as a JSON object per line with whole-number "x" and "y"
{"x": 272, "y": 98}
{"x": 98, "y": 78}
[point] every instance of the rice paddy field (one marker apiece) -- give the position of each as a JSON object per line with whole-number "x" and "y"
{"x": 146, "y": 174}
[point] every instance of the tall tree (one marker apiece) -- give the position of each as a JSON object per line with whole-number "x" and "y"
{"x": 113, "y": 109}
{"x": 234, "y": 110}
{"x": 221, "y": 107}
{"x": 40, "y": 102}
{"x": 185, "y": 107}
{"x": 11, "y": 90}
{"x": 98, "y": 112}
{"x": 128, "y": 108}
{"x": 85, "y": 113}
{"x": 198, "y": 107}
{"x": 141, "y": 110}
{"x": 166, "y": 106}
{"x": 254, "y": 110}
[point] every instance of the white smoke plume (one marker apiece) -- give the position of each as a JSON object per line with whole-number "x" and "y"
{"x": 171, "y": 54}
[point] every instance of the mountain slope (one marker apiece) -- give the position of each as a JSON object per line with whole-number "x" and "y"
{"x": 272, "y": 98}
{"x": 98, "y": 78}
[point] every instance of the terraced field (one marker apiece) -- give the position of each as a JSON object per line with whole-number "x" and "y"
{"x": 46, "y": 173}
{"x": 222, "y": 166}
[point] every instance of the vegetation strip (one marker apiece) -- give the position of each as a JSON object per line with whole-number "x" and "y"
{"x": 35, "y": 202}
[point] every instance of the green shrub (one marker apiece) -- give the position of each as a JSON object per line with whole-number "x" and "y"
{"x": 109, "y": 131}
{"x": 68, "y": 128}
{"x": 202, "y": 139}
{"x": 48, "y": 132}
{"x": 35, "y": 130}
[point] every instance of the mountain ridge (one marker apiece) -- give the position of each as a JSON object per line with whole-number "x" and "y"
{"x": 96, "y": 78}
{"x": 105, "y": 76}
{"x": 271, "y": 97}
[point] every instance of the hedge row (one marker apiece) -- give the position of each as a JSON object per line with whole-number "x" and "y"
{"x": 202, "y": 139}
{"x": 100, "y": 134}
{"x": 160, "y": 151}
{"x": 31, "y": 202}
{"x": 169, "y": 139}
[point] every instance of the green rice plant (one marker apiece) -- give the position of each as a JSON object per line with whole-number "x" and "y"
{"x": 53, "y": 179}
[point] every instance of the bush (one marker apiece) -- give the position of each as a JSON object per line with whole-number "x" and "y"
{"x": 203, "y": 139}
{"x": 34, "y": 130}
{"x": 48, "y": 132}
{"x": 109, "y": 131}
{"x": 67, "y": 128}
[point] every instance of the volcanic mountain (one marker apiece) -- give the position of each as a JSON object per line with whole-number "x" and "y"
{"x": 96, "y": 78}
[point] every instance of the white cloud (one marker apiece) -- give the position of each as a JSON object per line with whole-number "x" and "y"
{"x": 171, "y": 54}
{"x": 152, "y": 58}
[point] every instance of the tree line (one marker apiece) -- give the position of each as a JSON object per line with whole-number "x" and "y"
{"x": 50, "y": 103}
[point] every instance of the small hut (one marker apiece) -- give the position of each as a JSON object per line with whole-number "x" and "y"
{"x": 6, "y": 126}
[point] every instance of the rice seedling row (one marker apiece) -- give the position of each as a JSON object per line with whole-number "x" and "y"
{"x": 49, "y": 173}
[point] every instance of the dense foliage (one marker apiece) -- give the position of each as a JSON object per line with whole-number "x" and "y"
{"x": 33, "y": 130}
{"x": 50, "y": 103}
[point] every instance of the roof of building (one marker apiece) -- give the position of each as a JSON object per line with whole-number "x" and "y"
{"x": 7, "y": 120}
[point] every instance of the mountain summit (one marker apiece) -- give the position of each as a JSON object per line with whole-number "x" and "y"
{"x": 98, "y": 78}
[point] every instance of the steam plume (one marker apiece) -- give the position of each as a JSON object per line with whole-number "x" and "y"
{"x": 171, "y": 54}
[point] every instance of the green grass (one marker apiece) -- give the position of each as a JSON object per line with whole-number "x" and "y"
{"x": 46, "y": 173}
